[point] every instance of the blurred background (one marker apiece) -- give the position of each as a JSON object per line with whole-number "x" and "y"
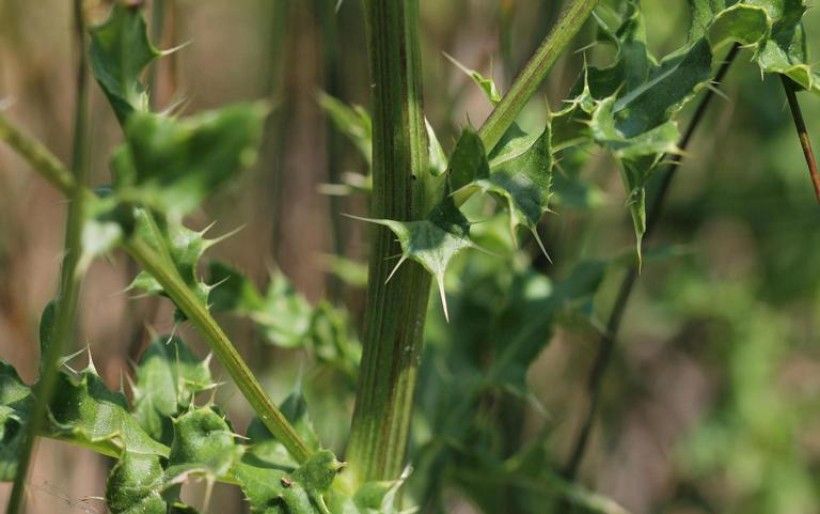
{"x": 712, "y": 402}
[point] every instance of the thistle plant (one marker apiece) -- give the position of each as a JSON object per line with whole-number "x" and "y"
{"x": 426, "y": 198}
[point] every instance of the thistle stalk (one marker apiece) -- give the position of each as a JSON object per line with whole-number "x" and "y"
{"x": 64, "y": 328}
{"x": 395, "y": 314}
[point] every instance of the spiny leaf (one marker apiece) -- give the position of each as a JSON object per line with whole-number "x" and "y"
{"x": 183, "y": 249}
{"x": 85, "y": 412}
{"x": 135, "y": 485}
{"x": 203, "y": 444}
{"x": 107, "y": 221}
{"x": 15, "y": 399}
{"x": 119, "y": 52}
{"x": 432, "y": 242}
{"x": 742, "y": 23}
{"x": 521, "y": 176}
{"x": 167, "y": 378}
{"x": 173, "y": 165}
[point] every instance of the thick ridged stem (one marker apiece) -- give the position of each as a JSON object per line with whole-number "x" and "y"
{"x": 395, "y": 312}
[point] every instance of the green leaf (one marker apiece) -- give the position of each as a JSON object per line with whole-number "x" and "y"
{"x": 521, "y": 177}
{"x": 85, "y": 412}
{"x": 467, "y": 164}
{"x": 135, "y": 485}
{"x": 181, "y": 246}
{"x": 203, "y": 444}
{"x": 286, "y": 318}
{"x": 266, "y": 448}
{"x": 742, "y": 23}
{"x": 432, "y": 242}
{"x": 118, "y": 54}
{"x": 172, "y": 165}
{"x": 167, "y": 378}
{"x": 15, "y": 400}
{"x": 525, "y": 324}
{"x": 107, "y": 221}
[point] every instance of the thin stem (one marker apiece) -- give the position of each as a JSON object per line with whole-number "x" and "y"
{"x": 606, "y": 344}
{"x": 154, "y": 263}
{"x": 151, "y": 260}
{"x": 70, "y": 275}
{"x": 396, "y": 309}
{"x": 802, "y": 133}
{"x": 38, "y": 156}
{"x": 534, "y": 73}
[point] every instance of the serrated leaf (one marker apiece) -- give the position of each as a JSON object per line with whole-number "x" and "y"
{"x": 107, "y": 221}
{"x": 432, "y": 242}
{"x": 172, "y": 165}
{"x": 167, "y": 378}
{"x": 85, "y": 412}
{"x": 203, "y": 444}
{"x": 742, "y": 23}
{"x": 521, "y": 177}
{"x": 15, "y": 400}
{"x": 181, "y": 246}
{"x": 135, "y": 485}
{"x": 119, "y": 52}
{"x": 524, "y": 326}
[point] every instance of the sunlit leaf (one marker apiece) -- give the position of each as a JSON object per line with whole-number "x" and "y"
{"x": 119, "y": 52}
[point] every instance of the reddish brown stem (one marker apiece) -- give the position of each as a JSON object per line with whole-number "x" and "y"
{"x": 802, "y": 133}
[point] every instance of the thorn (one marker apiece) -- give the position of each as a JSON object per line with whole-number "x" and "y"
{"x": 396, "y": 268}
{"x": 211, "y": 242}
{"x": 209, "y": 486}
{"x": 64, "y": 361}
{"x": 440, "y": 282}
{"x": 583, "y": 50}
{"x": 166, "y": 53}
{"x": 90, "y": 367}
{"x": 711, "y": 86}
{"x": 541, "y": 244}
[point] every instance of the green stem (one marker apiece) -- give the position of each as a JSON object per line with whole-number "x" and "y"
{"x": 197, "y": 312}
{"x": 70, "y": 275}
{"x": 165, "y": 273}
{"x": 38, "y": 156}
{"x": 394, "y": 318}
{"x": 534, "y": 73}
